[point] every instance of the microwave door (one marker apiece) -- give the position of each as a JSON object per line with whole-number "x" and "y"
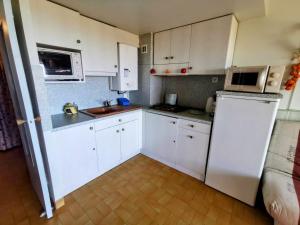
{"x": 251, "y": 82}
{"x": 232, "y": 81}
{"x": 57, "y": 65}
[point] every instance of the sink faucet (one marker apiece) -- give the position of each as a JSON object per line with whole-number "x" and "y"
{"x": 107, "y": 103}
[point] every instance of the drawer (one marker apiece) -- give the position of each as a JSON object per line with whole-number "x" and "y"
{"x": 194, "y": 126}
{"x": 118, "y": 119}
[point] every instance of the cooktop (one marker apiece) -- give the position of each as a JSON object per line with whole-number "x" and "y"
{"x": 169, "y": 108}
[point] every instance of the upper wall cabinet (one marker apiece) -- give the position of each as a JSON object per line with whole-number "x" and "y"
{"x": 55, "y": 25}
{"x": 201, "y": 48}
{"x": 172, "y": 46}
{"x": 99, "y": 48}
{"x": 212, "y": 45}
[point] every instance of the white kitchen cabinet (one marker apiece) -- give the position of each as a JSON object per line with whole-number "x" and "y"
{"x": 130, "y": 139}
{"x": 118, "y": 139}
{"x": 191, "y": 152}
{"x": 160, "y": 138}
{"x": 172, "y": 46}
{"x": 178, "y": 143}
{"x": 99, "y": 48}
{"x": 127, "y": 77}
{"x": 55, "y": 25}
{"x": 162, "y": 47}
{"x": 72, "y": 158}
{"x": 108, "y": 148}
{"x": 180, "y": 44}
{"x": 212, "y": 45}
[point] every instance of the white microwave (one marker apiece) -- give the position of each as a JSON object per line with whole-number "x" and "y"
{"x": 61, "y": 65}
{"x": 258, "y": 79}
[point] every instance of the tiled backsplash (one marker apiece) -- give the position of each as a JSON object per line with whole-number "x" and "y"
{"x": 193, "y": 91}
{"x": 92, "y": 93}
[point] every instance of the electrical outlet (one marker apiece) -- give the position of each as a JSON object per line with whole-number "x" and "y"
{"x": 214, "y": 80}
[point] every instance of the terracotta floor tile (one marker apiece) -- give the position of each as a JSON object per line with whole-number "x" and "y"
{"x": 141, "y": 191}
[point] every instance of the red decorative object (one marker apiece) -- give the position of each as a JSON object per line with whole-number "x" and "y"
{"x": 152, "y": 71}
{"x": 183, "y": 70}
{"x": 295, "y": 73}
{"x": 167, "y": 71}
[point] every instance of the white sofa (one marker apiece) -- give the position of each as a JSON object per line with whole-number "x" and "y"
{"x": 281, "y": 180}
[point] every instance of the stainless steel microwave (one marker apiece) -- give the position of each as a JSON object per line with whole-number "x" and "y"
{"x": 61, "y": 65}
{"x": 258, "y": 79}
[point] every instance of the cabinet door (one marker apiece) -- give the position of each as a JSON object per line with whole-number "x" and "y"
{"x": 160, "y": 137}
{"x": 162, "y": 45}
{"x": 55, "y": 25}
{"x": 191, "y": 152}
{"x": 129, "y": 139}
{"x": 108, "y": 148}
{"x": 73, "y": 159}
{"x": 212, "y": 45}
{"x": 99, "y": 48}
{"x": 180, "y": 44}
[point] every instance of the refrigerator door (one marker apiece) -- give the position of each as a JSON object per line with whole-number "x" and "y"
{"x": 240, "y": 138}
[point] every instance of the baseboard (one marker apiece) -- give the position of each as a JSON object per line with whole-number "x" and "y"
{"x": 59, "y": 203}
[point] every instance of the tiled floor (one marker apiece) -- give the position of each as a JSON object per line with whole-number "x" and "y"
{"x": 139, "y": 192}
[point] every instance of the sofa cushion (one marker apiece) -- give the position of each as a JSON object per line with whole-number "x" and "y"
{"x": 280, "y": 197}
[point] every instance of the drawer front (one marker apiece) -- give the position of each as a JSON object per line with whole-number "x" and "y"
{"x": 194, "y": 126}
{"x": 118, "y": 119}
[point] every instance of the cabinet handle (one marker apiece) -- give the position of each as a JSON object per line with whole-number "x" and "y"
{"x": 190, "y": 136}
{"x": 171, "y": 57}
{"x": 166, "y": 57}
{"x": 116, "y": 66}
{"x": 94, "y": 149}
{"x": 120, "y": 120}
{"x": 117, "y": 131}
{"x": 174, "y": 141}
{"x": 173, "y": 122}
{"x": 191, "y": 125}
{"x": 91, "y": 128}
{"x": 78, "y": 41}
{"x": 123, "y": 129}
{"x": 190, "y": 68}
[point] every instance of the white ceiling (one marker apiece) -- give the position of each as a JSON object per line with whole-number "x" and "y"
{"x": 143, "y": 16}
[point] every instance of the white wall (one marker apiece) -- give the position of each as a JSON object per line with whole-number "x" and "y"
{"x": 271, "y": 40}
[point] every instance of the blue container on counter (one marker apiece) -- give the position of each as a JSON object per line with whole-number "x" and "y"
{"x": 123, "y": 101}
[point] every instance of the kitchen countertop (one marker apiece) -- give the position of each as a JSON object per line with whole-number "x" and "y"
{"x": 61, "y": 121}
{"x": 202, "y": 118}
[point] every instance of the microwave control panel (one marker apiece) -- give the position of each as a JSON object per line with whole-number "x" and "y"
{"x": 275, "y": 78}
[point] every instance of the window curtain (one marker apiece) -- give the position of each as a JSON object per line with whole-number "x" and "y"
{"x": 9, "y": 133}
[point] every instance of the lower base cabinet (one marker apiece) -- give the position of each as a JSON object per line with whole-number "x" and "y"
{"x": 81, "y": 153}
{"x": 108, "y": 148}
{"x": 129, "y": 139}
{"x": 117, "y": 144}
{"x": 72, "y": 158}
{"x": 160, "y": 137}
{"x": 178, "y": 143}
{"x": 191, "y": 152}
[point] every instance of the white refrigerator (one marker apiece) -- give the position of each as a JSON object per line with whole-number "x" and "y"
{"x": 241, "y": 134}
